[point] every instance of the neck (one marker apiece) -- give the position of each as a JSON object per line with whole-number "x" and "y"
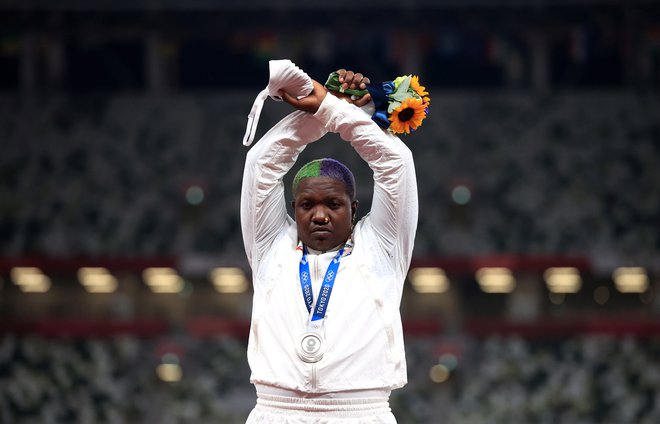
{"x": 319, "y": 252}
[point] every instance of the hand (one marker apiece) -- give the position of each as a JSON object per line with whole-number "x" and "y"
{"x": 312, "y": 102}
{"x": 354, "y": 81}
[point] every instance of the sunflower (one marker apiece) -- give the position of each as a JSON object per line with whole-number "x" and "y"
{"x": 408, "y": 116}
{"x": 419, "y": 89}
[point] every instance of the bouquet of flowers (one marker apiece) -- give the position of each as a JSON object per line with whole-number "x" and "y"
{"x": 401, "y": 105}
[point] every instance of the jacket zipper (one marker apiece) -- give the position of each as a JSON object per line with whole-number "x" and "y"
{"x": 314, "y": 378}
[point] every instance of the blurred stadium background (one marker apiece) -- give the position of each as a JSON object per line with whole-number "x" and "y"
{"x": 533, "y": 296}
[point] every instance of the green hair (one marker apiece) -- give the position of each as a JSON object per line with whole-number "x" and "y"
{"x": 326, "y": 167}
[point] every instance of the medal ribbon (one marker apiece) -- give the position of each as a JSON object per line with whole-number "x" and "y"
{"x": 326, "y": 286}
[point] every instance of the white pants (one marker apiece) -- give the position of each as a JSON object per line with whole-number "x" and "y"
{"x": 278, "y": 409}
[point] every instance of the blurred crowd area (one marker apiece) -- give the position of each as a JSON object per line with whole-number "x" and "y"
{"x": 200, "y": 45}
{"x": 121, "y": 124}
{"x": 583, "y": 379}
{"x": 121, "y": 128}
{"x": 138, "y": 175}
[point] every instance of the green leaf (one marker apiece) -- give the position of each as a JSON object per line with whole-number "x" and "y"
{"x": 398, "y": 80}
{"x": 400, "y": 96}
{"x": 392, "y": 106}
{"x": 333, "y": 82}
{"x": 401, "y": 93}
{"x": 405, "y": 83}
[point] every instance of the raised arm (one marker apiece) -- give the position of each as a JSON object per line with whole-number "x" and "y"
{"x": 263, "y": 207}
{"x": 394, "y": 209}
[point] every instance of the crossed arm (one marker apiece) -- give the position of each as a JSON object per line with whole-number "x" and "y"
{"x": 348, "y": 79}
{"x": 394, "y": 208}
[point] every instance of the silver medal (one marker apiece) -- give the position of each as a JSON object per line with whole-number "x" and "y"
{"x": 311, "y": 348}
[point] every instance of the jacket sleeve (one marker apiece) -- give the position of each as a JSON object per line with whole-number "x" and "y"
{"x": 263, "y": 207}
{"x": 394, "y": 208}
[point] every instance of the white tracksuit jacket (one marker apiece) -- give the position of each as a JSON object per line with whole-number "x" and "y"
{"x": 363, "y": 331}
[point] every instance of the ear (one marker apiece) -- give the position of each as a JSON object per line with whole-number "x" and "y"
{"x": 293, "y": 204}
{"x": 354, "y": 206}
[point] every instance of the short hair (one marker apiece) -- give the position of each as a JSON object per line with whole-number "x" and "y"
{"x": 326, "y": 167}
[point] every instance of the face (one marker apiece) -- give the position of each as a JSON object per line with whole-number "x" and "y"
{"x": 324, "y": 212}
